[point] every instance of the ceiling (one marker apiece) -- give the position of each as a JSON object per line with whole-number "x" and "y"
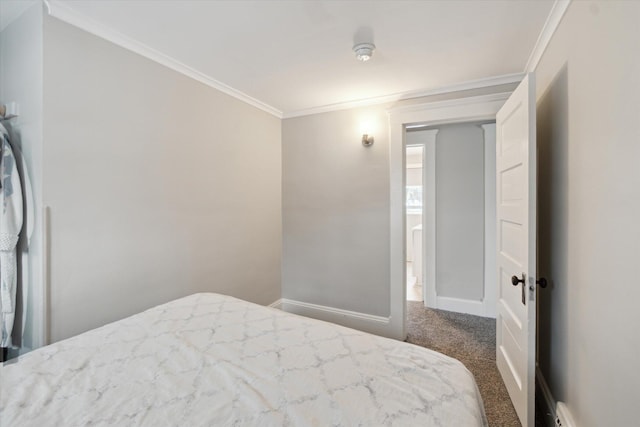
{"x": 296, "y": 56}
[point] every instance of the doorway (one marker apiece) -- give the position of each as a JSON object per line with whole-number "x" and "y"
{"x": 420, "y": 180}
{"x": 471, "y": 109}
{"x": 516, "y": 194}
{"x": 414, "y": 160}
{"x": 450, "y": 216}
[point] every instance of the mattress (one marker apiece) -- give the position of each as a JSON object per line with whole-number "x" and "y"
{"x": 209, "y": 359}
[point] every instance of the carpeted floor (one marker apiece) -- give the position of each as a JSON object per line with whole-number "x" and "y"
{"x": 472, "y": 340}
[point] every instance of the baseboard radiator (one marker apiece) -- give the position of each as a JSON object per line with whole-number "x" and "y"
{"x": 563, "y": 416}
{"x": 558, "y": 411}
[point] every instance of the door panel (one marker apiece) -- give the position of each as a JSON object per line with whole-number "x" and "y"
{"x": 510, "y": 192}
{"x": 516, "y": 249}
{"x": 511, "y": 242}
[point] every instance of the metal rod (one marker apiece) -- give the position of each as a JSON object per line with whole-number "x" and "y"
{"x": 45, "y": 325}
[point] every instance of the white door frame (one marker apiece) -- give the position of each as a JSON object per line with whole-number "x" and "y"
{"x": 468, "y": 109}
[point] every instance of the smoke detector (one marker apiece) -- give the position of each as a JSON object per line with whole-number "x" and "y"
{"x": 364, "y": 51}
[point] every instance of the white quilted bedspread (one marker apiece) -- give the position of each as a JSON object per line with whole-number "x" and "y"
{"x": 213, "y": 360}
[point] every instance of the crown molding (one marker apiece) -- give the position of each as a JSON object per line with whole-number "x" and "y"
{"x": 61, "y": 11}
{"x": 449, "y": 103}
{"x": 458, "y": 87}
{"x": 550, "y": 26}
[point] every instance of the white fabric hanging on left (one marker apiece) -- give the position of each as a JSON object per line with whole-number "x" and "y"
{"x": 10, "y": 226}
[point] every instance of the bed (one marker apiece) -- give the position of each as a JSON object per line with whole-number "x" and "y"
{"x": 210, "y": 359}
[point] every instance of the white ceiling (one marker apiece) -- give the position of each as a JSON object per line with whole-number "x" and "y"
{"x": 296, "y": 55}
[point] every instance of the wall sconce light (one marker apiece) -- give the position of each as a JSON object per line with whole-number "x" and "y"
{"x": 367, "y": 140}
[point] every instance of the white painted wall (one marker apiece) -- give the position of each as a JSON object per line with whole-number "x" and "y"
{"x": 158, "y": 186}
{"x": 21, "y": 82}
{"x": 460, "y": 211}
{"x": 589, "y": 203}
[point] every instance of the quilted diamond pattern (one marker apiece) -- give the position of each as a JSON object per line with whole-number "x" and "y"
{"x": 210, "y": 359}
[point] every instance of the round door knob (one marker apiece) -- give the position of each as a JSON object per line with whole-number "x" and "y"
{"x": 542, "y": 282}
{"x": 515, "y": 281}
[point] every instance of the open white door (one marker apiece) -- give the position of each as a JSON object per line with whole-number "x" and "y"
{"x": 516, "y": 247}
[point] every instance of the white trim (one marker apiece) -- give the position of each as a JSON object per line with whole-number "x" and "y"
{"x": 462, "y": 110}
{"x": 276, "y": 304}
{"x": 44, "y": 306}
{"x": 450, "y": 103}
{"x": 490, "y": 296}
{"x": 429, "y": 237}
{"x": 63, "y": 12}
{"x": 378, "y": 325}
{"x": 550, "y": 26}
{"x": 470, "y": 85}
{"x": 460, "y": 305}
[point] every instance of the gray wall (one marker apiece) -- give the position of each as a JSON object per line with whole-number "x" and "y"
{"x": 336, "y": 207}
{"x": 158, "y": 186}
{"x": 21, "y": 82}
{"x": 460, "y": 211}
{"x": 336, "y": 211}
{"x": 589, "y": 204}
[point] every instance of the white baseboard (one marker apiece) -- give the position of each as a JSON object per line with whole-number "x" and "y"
{"x": 276, "y": 304}
{"x": 459, "y": 305}
{"x": 378, "y": 325}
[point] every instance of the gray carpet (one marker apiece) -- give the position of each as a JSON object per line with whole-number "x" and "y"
{"x": 472, "y": 340}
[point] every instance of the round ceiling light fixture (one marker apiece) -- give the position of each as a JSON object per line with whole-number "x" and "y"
{"x": 364, "y": 51}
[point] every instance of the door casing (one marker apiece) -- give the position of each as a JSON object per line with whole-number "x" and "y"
{"x": 462, "y": 110}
